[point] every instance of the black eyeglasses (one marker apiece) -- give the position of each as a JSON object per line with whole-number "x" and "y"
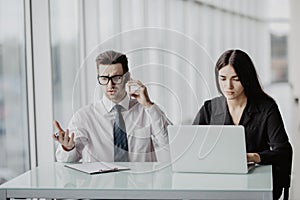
{"x": 116, "y": 79}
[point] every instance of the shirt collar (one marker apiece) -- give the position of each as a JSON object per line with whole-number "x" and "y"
{"x": 108, "y": 104}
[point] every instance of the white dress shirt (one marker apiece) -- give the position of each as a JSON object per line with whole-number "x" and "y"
{"x": 92, "y": 125}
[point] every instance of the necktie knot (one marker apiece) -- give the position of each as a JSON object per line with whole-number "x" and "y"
{"x": 119, "y": 118}
{"x": 118, "y": 108}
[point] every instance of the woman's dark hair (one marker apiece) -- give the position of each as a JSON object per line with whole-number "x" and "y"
{"x": 112, "y": 57}
{"x": 244, "y": 69}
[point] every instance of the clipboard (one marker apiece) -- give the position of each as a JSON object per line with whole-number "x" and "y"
{"x": 96, "y": 167}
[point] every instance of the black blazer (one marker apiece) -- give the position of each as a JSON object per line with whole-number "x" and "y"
{"x": 264, "y": 129}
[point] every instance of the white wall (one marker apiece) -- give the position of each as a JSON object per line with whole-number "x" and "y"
{"x": 294, "y": 49}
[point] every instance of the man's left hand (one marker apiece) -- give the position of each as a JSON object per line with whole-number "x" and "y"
{"x": 140, "y": 92}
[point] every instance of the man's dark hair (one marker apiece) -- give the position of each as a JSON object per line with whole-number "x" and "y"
{"x": 112, "y": 57}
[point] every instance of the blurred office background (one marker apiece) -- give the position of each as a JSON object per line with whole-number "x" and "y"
{"x": 48, "y": 71}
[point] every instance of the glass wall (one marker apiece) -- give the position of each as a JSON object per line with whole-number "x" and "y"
{"x": 172, "y": 46}
{"x": 64, "y": 18}
{"x": 14, "y": 143}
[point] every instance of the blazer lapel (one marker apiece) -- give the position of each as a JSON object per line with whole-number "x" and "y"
{"x": 249, "y": 113}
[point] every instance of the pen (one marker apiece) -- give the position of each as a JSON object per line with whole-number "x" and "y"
{"x": 57, "y": 136}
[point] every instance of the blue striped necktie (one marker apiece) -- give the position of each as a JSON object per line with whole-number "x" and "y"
{"x": 120, "y": 137}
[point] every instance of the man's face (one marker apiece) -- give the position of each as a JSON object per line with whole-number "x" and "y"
{"x": 113, "y": 91}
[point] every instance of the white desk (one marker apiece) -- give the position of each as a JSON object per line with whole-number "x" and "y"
{"x": 143, "y": 181}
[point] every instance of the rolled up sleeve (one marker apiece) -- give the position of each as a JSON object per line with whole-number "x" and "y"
{"x": 159, "y": 132}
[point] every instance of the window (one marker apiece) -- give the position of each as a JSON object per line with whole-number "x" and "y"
{"x": 14, "y": 143}
{"x": 64, "y": 17}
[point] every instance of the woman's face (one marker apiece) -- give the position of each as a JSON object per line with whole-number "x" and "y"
{"x": 230, "y": 84}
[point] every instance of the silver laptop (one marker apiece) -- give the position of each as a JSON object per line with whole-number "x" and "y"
{"x": 208, "y": 148}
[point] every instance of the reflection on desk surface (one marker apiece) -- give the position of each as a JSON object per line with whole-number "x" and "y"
{"x": 140, "y": 176}
{"x": 151, "y": 175}
{"x": 252, "y": 180}
{"x": 56, "y": 175}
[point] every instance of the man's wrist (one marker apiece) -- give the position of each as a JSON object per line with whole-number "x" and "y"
{"x": 148, "y": 104}
{"x": 66, "y": 149}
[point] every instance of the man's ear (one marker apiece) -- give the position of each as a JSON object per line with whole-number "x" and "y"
{"x": 127, "y": 77}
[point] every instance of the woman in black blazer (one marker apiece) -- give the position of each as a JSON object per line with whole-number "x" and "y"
{"x": 243, "y": 102}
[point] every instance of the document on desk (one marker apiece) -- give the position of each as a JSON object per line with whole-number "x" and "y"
{"x": 96, "y": 167}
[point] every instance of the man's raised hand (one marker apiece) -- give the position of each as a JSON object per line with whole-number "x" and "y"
{"x": 63, "y": 137}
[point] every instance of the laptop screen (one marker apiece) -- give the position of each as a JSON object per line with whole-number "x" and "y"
{"x": 208, "y": 148}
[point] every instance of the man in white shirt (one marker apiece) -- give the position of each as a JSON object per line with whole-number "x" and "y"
{"x": 96, "y": 131}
